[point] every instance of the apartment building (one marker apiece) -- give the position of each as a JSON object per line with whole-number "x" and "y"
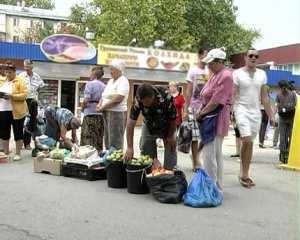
{"x": 17, "y": 23}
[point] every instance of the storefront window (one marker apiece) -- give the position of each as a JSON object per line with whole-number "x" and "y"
{"x": 80, "y": 98}
{"x": 48, "y": 95}
{"x": 81, "y": 86}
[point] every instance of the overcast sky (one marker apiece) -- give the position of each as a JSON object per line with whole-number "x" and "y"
{"x": 278, "y": 21}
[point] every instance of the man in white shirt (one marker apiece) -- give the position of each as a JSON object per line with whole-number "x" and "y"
{"x": 34, "y": 83}
{"x": 250, "y": 87}
{"x": 114, "y": 106}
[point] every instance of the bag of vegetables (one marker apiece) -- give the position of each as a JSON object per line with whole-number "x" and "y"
{"x": 167, "y": 186}
{"x": 58, "y": 153}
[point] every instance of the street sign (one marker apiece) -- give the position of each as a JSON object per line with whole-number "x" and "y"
{"x": 147, "y": 58}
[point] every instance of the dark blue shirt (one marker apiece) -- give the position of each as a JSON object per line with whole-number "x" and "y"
{"x": 158, "y": 117}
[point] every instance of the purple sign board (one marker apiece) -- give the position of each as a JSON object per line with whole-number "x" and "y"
{"x": 67, "y": 48}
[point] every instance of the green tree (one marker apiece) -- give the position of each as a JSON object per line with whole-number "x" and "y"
{"x": 121, "y": 21}
{"x": 214, "y": 22}
{"x": 84, "y": 16}
{"x": 37, "y": 33}
{"x": 45, "y": 4}
{"x": 180, "y": 23}
{"x": 171, "y": 23}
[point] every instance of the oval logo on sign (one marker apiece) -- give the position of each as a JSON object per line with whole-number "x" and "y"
{"x": 67, "y": 48}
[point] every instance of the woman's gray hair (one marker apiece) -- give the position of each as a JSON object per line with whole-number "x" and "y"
{"x": 75, "y": 123}
{"x": 28, "y": 62}
{"x": 118, "y": 64}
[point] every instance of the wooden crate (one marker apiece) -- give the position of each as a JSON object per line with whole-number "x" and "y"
{"x": 47, "y": 165}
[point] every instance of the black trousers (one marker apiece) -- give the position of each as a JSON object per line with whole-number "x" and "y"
{"x": 6, "y": 121}
{"x": 285, "y": 134}
{"x": 263, "y": 126}
{"x": 33, "y": 111}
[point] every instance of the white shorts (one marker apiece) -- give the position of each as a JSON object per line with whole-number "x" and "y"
{"x": 248, "y": 123}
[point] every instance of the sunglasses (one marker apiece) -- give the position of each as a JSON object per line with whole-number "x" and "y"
{"x": 253, "y": 56}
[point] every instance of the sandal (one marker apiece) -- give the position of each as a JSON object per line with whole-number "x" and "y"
{"x": 195, "y": 169}
{"x": 244, "y": 182}
{"x": 250, "y": 182}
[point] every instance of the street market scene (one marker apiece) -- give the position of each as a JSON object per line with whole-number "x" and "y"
{"x": 148, "y": 120}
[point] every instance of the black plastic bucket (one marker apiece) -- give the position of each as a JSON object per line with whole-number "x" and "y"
{"x": 116, "y": 175}
{"x": 136, "y": 179}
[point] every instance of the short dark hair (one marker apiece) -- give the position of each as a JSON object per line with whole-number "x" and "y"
{"x": 283, "y": 84}
{"x": 98, "y": 71}
{"x": 145, "y": 90}
{"x": 292, "y": 85}
{"x": 250, "y": 49}
{"x": 204, "y": 47}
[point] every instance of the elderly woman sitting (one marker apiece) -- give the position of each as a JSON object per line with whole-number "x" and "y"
{"x": 114, "y": 106}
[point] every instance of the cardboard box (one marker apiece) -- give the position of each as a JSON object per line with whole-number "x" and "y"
{"x": 3, "y": 158}
{"x": 48, "y": 165}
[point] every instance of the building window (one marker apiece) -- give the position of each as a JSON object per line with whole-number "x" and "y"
{"x": 288, "y": 67}
{"x": 2, "y": 37}
{"x": 2, "y": 19}
{"x": 16, "y": 22}
{"x": 48, "y": 95}
{"x": 16, "y": 38}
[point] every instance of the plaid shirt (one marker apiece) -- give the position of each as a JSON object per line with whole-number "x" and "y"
{"x": 34, "y": 83}
{"x": 62, "y": 116}
{"x": 156, "y": 117}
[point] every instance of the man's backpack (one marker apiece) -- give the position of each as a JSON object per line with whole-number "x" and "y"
{"x": 287, "y": 104}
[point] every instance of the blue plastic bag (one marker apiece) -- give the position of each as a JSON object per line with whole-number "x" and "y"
{"x": 202, "y": 191}
{"x": 50, "y": 142}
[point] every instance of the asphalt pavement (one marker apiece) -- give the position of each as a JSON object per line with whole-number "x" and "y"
{"x": 37, "y": 206}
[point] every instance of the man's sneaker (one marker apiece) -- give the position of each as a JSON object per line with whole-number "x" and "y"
{"x": 17, "y": 158}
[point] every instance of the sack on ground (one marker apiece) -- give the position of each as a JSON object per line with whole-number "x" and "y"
{"x": 44, "y": 142}
{"x": 184, "y": 138}
{"x": 82, "y": 152}
{"x": 202, "y": 191}
{"x": 168, "y": 188}
{"x": 59, "y": 154}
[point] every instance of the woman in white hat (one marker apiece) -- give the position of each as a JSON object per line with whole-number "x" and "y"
{"x": 114, "y": 106}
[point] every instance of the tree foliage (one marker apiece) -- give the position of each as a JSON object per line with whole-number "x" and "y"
{"x": 182, "y": 24}
{"x": 45, "y": 4}
{"x": 121, "y": 21}
{"x": 38, "y": 32}
{"x": 214, "y": 22}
